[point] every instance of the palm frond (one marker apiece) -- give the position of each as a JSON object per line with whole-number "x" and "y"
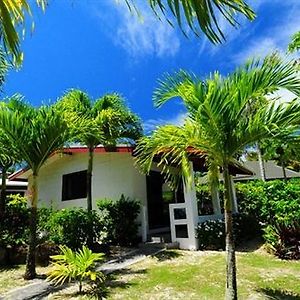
{"x": 201, "y": 16}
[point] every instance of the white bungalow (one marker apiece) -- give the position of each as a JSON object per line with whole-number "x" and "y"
{"x": 62, "y": 183}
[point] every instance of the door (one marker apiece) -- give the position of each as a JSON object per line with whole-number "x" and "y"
{"x": 158, "y": 209}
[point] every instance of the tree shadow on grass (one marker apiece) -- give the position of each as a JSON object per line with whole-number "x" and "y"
{"x": 279, "y": 294}
{"x": 250, "y": 245}
{"x": 167, "y": 255}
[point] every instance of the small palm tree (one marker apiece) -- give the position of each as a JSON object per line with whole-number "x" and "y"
{"x": 220, "y": 123}
{"x": 35, "y": 133}
{"x": 108, "y": 120}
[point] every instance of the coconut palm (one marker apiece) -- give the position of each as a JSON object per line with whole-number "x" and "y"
{"x": 221, "y": 123}
{"x": 109, "y": 121}
{"x": 36, "y": 134}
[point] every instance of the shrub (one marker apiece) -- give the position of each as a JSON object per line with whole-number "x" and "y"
{"x": 77, "y": 266}
{"x": 75, "y": 227}
{"x": 14, "y": 226}
{"x": 120, "y": 217}
{"x": 211, "y": 234}
{"x": 283, "y": 239}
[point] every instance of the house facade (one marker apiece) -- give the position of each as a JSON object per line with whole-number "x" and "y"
{"x": 62, "y": 184}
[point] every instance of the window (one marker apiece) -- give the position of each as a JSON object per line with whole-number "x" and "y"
{"x": 74, "y": 186}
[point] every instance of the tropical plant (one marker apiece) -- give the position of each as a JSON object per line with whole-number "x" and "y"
{"x": 36, "y": 134}
{"x": 75, "y": 227}
{"x": 108, "y": 119}
{"x": 78, "y": 266}
{"x": 200, "y": 16}
{"x": 284, "y": 149}
{"x": 120, "y": 218}
{"x": 294, "y": 45}
{"x": 220, "y": 124}
{"x": 12, "y": 18}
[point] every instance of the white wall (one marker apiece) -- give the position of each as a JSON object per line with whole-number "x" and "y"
{"x": 113, "y": 174}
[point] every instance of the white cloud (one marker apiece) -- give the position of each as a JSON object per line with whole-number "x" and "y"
{"x": 138, "y": 36}
{"x": 152, "y": 124}
{"x": 257, "y": 48}
{"x": 276, "y": 38}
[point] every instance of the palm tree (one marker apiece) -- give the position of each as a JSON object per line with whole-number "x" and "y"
{"x": 36, "y": 133}
{"x": 294, "y": 45}
{"x": 8, "y": 157}
{"x": 199, "y": 17}
{"x": 109, "y": 121}
{"x": 221, "y": 123}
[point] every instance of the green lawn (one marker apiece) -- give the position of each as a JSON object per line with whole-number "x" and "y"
{"x": 194, "y": 275}
{"x": 201, "y": 275}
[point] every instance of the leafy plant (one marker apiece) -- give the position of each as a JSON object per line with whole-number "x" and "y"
{"x": 120, "y": 217}
{"x": 211, "y": 234}
{"x": 78, "y": 266}
{"x": 283, "y": 239}
{"x": 15, "y": 223}
{"x": 74, "y": 227}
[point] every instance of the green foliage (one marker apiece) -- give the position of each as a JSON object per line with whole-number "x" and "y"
{"x": 274, "y": 204}
{"x": 120, "y": 218}
{"x": 283, "y": 239}
{"x": 14, "y": 225}
{"x": 295, "y": 43}
{"x": 79, "y": 266}
{"x": 74, "y": 227}
{"x": 211, "y": 233}
{"x": 200, "y": 17}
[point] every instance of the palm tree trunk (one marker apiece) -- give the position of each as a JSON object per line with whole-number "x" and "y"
{"x": 261, "y": 163}
{"x": 231, "y": 285}
{"x": 3, "y": 192}
{"x": 213, "y": 179}
{"x": 30, "y": 272}
{"x": 283, "y": 170}
{"x": 89, "y": 179}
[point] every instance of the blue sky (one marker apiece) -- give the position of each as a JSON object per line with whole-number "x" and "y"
{"x": 99, "y": 47}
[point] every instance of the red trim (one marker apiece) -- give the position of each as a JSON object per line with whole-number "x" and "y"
{"x": 99, "y": 149}
{"x": 17, "y": 174}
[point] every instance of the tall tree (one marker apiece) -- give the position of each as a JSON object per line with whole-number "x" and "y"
{"x": 199, "y": 16}
{"x": 221, "y": 123}
{"x": 36, "y": 133}
{"x": 109, "y": 121}
{"x": 8, "y": 157}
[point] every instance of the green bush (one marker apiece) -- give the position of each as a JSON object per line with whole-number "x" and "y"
{"x": 274, "y": 204}
{"x": 211, "y": 234}
{"x": 283, "y": 239}
{"x": 14, "y": 226}
{"x": 120, "y": 217}
{"x": 75, "y": 227}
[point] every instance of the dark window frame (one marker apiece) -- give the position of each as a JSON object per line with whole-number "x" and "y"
{"x": 74, "y": 186}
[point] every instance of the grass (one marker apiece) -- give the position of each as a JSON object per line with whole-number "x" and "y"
{"x": 178, "y": 274}
{"x": 12, "y": 277}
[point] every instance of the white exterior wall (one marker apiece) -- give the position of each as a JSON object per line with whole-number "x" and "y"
{"x": 113, "y": 174}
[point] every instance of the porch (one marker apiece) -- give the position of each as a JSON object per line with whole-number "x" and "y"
{"x": 180, "y": 214}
